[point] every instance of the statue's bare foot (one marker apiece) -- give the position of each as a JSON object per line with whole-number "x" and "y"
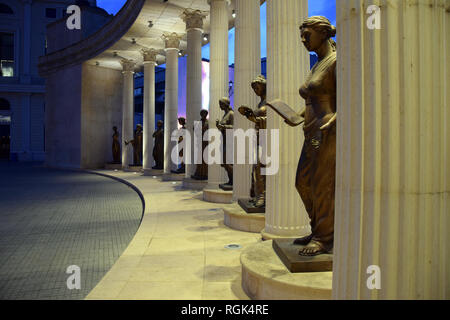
{"x": 313, "y": 248}
{"x": 303, "y": 241}
{"x": 260, "y": 203}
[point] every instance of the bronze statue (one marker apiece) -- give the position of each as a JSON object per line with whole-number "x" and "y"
{"x": 315, "y": 180}
{"x": 224, "y": 124}
{"x": 158, "y": 148}
{"x": 137, "y": 144}
{"x": 116, "y": 146}
{"x": 259, "y": 117}
{"x": 201, "y": 171}
{"x": 182, "y": 168}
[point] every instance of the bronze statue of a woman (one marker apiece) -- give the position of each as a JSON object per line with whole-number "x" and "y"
{"x": 315, "y": 179}
{"x": 116, "y": 146}
{"x": 227, "y": 122}
{"x": 259, "y": 117}
{"x": 201, "y": 172}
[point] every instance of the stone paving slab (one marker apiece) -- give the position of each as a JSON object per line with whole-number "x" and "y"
{"x": 51, "y": 219}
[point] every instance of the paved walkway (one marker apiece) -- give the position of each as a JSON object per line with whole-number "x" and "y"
{"x": 179, "y": 250}
{"x": 51, "y": 219}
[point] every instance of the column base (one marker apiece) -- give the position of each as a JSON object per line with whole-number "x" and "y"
{"x": 265, "y": 277}
{"x": 217, "y": 196}
{"x": 193, "y": 184}
{"x": 237, "y": 219}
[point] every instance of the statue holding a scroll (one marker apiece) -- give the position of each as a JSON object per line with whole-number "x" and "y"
{"x": 315, "y": 178}
{"x": 259, "y": 117}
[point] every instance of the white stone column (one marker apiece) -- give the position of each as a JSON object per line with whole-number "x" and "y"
{"x": 127, "y": 111}
{"x": 246, "y": 67}
{"x": 287, "y": 68}
{"x": 219, "y": 74}
{"x": 194, "y": 27}
{"x": 149, "y": 107}
{"x": 393, "y": 151}
{"x": 172, "y": 45}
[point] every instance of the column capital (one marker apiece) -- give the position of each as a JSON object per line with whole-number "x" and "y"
{"x": 193, "y": 18}
{"x": 128, "y": 65}
{"x": 172, "y": 40}
{"x": 149, "y": 55}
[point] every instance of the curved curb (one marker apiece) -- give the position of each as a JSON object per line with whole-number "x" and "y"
{"x": 129, "y": 184}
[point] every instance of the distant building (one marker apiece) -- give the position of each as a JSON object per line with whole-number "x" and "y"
{"x": 22, "y": 40}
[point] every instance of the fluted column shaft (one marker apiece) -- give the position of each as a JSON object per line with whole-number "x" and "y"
{"x": 149, "y": 113}
{"x": 287, "y": 67}
{"x": 127, "y": 112}
{"x": 218, "y": 76}
{"x": 194, "y": 25}
{"x": 393, "y": 151}
{"x": 247, "y": 66}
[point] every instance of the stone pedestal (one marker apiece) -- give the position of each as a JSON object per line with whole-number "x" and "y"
{"x": 287, "y": 68}
{"x": 264, "y": 277}
{"x": 247, "y": 66}
{"x": 217, "y": 195}
{"x": 238, "y": 219}
{"x": 153, "y": 172}
{"x": 393, "y": 151}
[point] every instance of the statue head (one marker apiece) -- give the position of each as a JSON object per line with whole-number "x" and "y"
{"x": 115, "y": 129}
{"x": 315, "y": 31}
{"x": 138, "y": 127}
{"x": 259, "y": 85}
{"x": 203, "y": 114}
{"x": 182, "y": 121}
{"x": 159, "y": 124}
{"x": 224, "y": 103}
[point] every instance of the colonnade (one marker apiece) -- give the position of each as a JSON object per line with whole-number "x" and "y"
{"x": 393, "y": 146}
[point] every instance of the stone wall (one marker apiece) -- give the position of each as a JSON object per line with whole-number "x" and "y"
{"x": 101, "y": 109}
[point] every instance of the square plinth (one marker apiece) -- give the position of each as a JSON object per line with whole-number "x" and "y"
{"x": 248, "y": 207}
{"x": 288, "y": 254}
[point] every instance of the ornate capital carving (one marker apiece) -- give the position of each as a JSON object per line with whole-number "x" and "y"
{"x": 172, "y": 40}
{"x": 193, "y": 18}
{"x": 149, "y": 55}
{"x": 128, "y": 65}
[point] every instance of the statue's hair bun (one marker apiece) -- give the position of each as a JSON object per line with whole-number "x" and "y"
{"x": 332, "y": 31}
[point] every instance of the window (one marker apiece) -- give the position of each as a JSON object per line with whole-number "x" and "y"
{"x": 6, "y": 54}
{"x": 50, "y": 13}
{"x": 5, "y": 9}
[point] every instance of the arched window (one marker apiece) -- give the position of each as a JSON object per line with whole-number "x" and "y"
{"x": 5, "y": 9}
{"x": 4, "y": 104}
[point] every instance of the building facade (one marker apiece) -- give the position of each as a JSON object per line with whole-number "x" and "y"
{"x": 23, "y": 25}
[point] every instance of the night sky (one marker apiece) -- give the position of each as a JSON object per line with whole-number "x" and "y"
{"x": 325, "y": 8}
